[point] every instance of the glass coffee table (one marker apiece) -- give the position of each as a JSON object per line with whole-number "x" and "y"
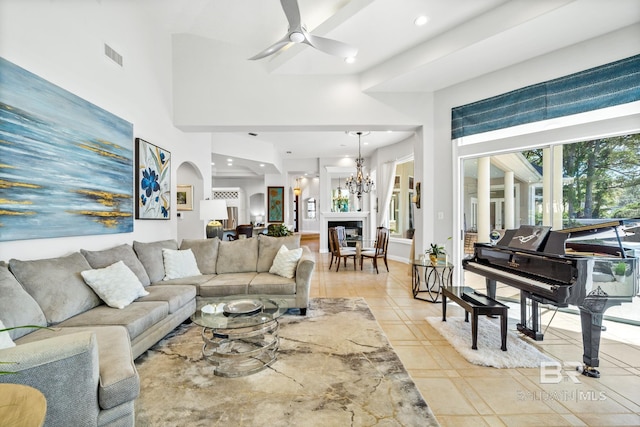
{"x": 240, "y": 332}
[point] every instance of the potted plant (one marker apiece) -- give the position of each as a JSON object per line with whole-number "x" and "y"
{"x": 278, "y": 230}
{"x": 18, "y": 327}
{"x": 434, "y": 252}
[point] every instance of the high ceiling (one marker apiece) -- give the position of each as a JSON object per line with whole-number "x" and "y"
{"x": 394, "y": 54}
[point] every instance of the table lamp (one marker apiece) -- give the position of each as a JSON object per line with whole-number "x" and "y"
{"x": 213, "y": 211}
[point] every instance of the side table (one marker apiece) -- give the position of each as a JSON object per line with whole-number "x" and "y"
{"x": 428, "y": 278}
{"x": 21, "y": 406}
{"x": 240, "y": 332}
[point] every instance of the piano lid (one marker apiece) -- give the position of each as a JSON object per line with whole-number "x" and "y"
{"x": 584, "y": 230}
{"x": 543, "y": 239}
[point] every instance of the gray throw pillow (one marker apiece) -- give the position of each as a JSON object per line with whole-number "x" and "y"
{"x": 150, "y": 255}
{"x": 17, "y": 307}
{"x": 269, "y": 246}
{"x": 237, "y": 256}
{"x": 124, "y": 253}
{"x": 57, "y": 286}
{"x": 205, "y": 251}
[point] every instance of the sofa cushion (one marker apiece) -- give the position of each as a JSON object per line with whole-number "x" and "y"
{"x": 57, "y": 286}
{"x": 177, "y": 296}
{"x": 227, "y": 284}
{"x": 193, "y": 281}
{"x": 285, "y": 262}
{"x": 116, "y": 284}
{"x": 237, "y": 256}
{"x": 205, "y": 251}
{"x": 137, "y": 317}
{"x": 17, "y": 307}
{"x": 125, "y": 253}
{"x": 272, "y": 284}
{"x": 269, "y": 246}
{"x": 150, "y": 255}
{"x": 179, "y": 264}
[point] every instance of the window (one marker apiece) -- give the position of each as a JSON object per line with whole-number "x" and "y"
{"x": 400, "y": 209}
{"x": 595, "y": 181}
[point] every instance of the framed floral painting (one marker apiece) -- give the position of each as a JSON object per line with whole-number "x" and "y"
{"x": 153, "y": 181}
{"x": 275, "y": 203}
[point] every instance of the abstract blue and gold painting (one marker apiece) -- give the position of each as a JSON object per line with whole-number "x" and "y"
{"x": 66, "y": 165}
{"x": 153, "y": 181}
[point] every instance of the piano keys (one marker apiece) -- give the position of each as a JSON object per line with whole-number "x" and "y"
{"x": 548, "y": 269}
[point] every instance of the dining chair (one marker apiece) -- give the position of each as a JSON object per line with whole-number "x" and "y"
{"x": 338, "y": 252}
{"x": 379, "y": 251}
{"x": 243, "y": 229}
{"x": 342, "y": 236}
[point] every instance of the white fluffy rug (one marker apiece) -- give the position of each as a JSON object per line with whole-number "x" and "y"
{"x": 519, "y": 354}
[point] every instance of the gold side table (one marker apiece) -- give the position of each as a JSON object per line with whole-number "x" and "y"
{"x": 22, "y": 406}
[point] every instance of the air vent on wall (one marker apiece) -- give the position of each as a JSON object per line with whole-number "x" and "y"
{"x": 112, "y": 54}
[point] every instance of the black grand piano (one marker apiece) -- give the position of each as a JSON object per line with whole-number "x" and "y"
{"x": 549, "y": 269}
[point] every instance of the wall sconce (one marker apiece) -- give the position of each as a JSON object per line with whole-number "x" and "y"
{"x": 296, "y": 190}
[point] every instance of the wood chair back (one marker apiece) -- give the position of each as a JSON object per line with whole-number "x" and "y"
{"x": 244, "y": 229}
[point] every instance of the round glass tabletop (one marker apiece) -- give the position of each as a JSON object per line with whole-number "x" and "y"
{"x": 239, "y": 311}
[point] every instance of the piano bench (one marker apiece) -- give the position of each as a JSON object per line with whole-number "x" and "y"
{"x": 476, "y": 304}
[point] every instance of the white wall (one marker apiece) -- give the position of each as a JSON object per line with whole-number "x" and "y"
{"x": 208, "y": 71}
{"x": 62, "y": 42}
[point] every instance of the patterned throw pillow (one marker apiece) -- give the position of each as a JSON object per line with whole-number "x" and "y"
{"x": 179, "y": 264}
{"x": 285, "y": 262}
{"x": 116, "y": 284}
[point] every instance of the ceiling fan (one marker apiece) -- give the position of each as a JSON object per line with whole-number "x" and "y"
{"x": 297, "y": 33}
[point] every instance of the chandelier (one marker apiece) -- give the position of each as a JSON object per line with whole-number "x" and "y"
{"x": 359, "y": 184}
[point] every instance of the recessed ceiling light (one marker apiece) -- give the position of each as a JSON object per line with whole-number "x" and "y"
{"x": 350, "y": 59}
{"x": 261, "y": 165}
{"x": 421, "y": 20}
{"x": 229, "y": 160}
{"x": 213, "y": 164}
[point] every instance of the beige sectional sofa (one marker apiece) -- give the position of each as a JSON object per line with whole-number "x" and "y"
{"x": 84, "y": 361}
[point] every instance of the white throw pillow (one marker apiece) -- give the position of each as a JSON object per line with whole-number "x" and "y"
{"x": 285, "y": 262}
{"x": 116, "y": 284}
{"x": 5, "y": 338}
{"x": 179, "y": 264}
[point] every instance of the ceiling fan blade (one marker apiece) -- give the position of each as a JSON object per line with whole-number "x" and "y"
{"x": 292, "y": 10}
{"x": 332, "y": 47}
{"x": 273, "y": 48}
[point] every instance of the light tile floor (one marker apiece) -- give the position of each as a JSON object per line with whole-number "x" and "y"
{"x": 462, "y": 394}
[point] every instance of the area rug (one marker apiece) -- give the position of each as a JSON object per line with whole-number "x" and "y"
{"x": 335, "y": 367}
{"x": 519, "y": 354}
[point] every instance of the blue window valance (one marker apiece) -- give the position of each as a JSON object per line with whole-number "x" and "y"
{"x": 600, "y": 87}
